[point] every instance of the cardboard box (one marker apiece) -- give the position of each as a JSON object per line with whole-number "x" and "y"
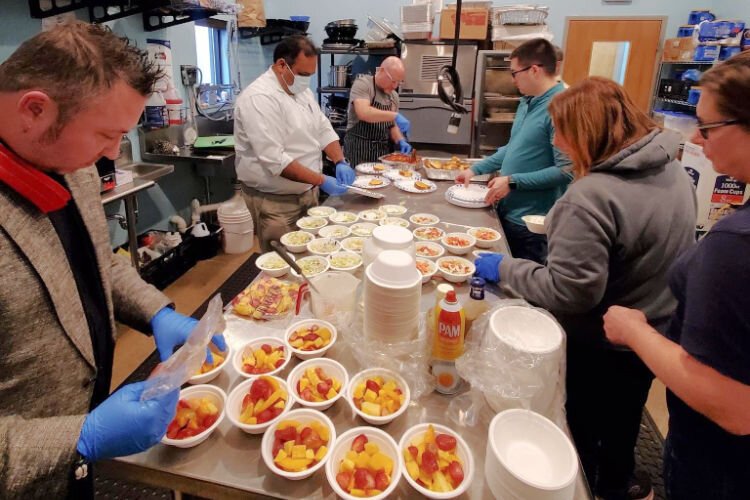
{"x": 509, "y": 45}
{"x": 718, "y": 195}
{"x": 679, "y": 49}
{"x": 474, "y": 22}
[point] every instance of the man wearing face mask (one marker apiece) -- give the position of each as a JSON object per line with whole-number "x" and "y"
{"x": 279, "y": 133}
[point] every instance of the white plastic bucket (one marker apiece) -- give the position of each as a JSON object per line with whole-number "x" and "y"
{"x": 238, "y": 234}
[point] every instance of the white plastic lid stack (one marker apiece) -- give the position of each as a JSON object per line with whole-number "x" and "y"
{"x": 392, "y": 296}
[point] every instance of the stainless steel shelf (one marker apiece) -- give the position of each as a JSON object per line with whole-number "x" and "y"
{"x": 334, "y": 90}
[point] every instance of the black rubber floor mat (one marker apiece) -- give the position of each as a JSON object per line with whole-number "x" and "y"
{"x": 648, "y": 454}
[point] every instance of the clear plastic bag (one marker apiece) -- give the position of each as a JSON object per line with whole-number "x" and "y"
{"x": 187, "y": 360}
{"x": 510, "y": 369}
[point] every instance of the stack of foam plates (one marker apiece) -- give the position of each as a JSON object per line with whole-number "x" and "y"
{"x": 467, "y": 197}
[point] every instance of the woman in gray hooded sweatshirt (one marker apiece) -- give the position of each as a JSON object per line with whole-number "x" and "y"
{"x": 612, "y": 237}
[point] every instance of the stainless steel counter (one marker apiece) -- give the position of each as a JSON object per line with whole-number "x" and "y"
{"x": 229, "y": 465}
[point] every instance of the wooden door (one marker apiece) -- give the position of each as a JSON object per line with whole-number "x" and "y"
{"x": 636, "y": 55}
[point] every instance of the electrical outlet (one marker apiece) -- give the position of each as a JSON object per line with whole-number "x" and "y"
{"x": 189, "y": 75}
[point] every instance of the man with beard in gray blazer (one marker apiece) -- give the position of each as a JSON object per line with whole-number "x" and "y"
{"x": 68, "y": 95}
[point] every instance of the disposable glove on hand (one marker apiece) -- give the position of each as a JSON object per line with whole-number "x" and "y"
{"x": 404, "y": 146}
{"x": 344, "y": 173}
{"x": 172, "y": 329}
{"x": 488, "y": 266}
{"x": 404, "y": 125}
{"x": 332, "y": 187}
{"x": 123, "y": 425}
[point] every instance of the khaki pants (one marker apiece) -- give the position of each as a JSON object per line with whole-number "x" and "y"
{"x": 276, "y": 214}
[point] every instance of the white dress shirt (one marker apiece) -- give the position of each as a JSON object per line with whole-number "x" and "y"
{"x": 272, "y": 129}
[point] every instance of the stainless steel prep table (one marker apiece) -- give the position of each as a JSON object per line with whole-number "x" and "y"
{"x": 228, "y": 464}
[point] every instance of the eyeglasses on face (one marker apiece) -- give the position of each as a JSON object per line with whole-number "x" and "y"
{"x": 393, "y": 80}
{"x": 703, "y": 128}
{"x": 514, "y": 73}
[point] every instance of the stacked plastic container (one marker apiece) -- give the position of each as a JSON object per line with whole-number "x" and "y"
{"x": 237, "y": 224}
{"x": 417, "y": 21}
{"x": 392, "y": 295}
{"x": 514, "y": 24}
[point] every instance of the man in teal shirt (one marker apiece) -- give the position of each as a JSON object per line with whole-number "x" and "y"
{"x": 534, "y": 173}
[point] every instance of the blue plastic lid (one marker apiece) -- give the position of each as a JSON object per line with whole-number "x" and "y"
{"x": 304, "y": 19}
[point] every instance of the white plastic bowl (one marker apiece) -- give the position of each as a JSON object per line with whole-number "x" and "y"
{"x": 207, "y": 377}
{"x": 274, "y": 273}
{"x": 332, "y": 368}
{"x": 418, "y": 233}
{"x": 528, "y": 456}
{"x": 234, "y": 406}
{"x": 415, "y": 219}
{"x": 296, "y": 248}
{"x": 343, "y": 218}
{"x": 393, "y": 210}
{"x": 371, "y": 215}
{"x": 348, "y": 244}
{"x": 302, "y": 416}
{"x": 459, "y": 250}
{"x": 304, "y": 355}
{"x": 426, "y": 277}
{"x": 343, "y": 444}
{"x": 348, "y": 269}
{"x": 480, "y": 243}
{"x": 217, "y": 396}
{"x": 387, "y": 375}
{"x": 318, "y": 258}
{"x": 456, "y": 278}
{"x": 440, "y": 249}
{"x": 462, "y": 451}
{"x": 394, "y": 221}
{"x": 320, "y": 211}
{"x": 252, "y": 346}
{"x": 363, "y": 229}
{"x": 535, "y": 223}
{"x": 315, "y": 247}
{"x": 314, "y": 223}
{"x": 336, "y": 231}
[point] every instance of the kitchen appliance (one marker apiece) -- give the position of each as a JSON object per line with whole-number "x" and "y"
{"x": 418, "y": 94}
{"x": 341, "y": 32}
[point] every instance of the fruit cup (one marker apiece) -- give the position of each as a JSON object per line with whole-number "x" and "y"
{"x": 320, "y": 439}
{"x": 436, "y": 476}
{"x": 199, "y": 412}
{"x": 312, "y": 338}
{"x": 382, "y": 404}
{"x": 208, "y": 373}
{"x": 367, "y": 460}
{"x": 315, "y": 393}
{"x": 244, "y": 393}
{"x": 272, "y": 358}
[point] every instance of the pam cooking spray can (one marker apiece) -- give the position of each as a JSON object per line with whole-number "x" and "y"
{"x": 448, "y": 343}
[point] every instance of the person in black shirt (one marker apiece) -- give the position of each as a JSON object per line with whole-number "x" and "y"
{"x": 704, "y": 358}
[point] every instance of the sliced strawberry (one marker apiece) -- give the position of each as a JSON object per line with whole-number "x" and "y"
{"x": 277, "y": 445}
{"x": 363, "y": 479}
{"x": 373, "y": 386}
{"x": 382, "y": 481}
{"x": 323, "y": 388}
{"x": 311, "y": 438}
{"x": 288, "y": 434}
{"x": 187, "y": 432}
{"x": 209, "y": 420}
{"x": 343, "y": 479}
{"x": 247, "y": 400}
{"x": 307, "y": 394}
{"x": 456, "y": 473}
{"x": 279, "y": 363}
{"x": 429, "y": 463}
{"x": 267, "y": 348}
{"x": 182, "y": 404}
{"x": 311, "y": 337}
{"x": 173, "y": 429}
{"x": 264, "y": 416}
{"x": 359, "y": 443}
{"x": 445, "y": 442}
{"x": 414, "y": 451}
{"x": 275, "y": 412}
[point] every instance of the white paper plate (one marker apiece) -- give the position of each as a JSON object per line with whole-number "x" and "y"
{"x": 363, "y": 182}
{"x": 369, "y": 168}
{"x": 408, "y": 186}
{"x": 395, "y": 175}
{"x": 467, "y": 197}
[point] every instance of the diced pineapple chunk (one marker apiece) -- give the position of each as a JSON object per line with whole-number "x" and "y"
{"x": 318, "y": 343}
{"x": 310, "y": 453}
{"x": 304, "y": 383}
{"x": 413, "y": 469}
{"x": 288, "y": 447}
{"x": 363, "y": 460}
{"x": 321, "y": 453}
{"x": 347, "y": 465}
{"x": 359, "y": 391}
{"x": 336, "y": 385}
{"x": 371, "y": 409}
{"x": 370, "y": 396}
{"x": 281, "y": 455}
{"x": 299, "y": 451}
{"x": 284, "y": 424}
{"x": 440, "y": 483}
{"x": 351, "y": 455}
{"x": 425, "y": 478}
{"x": 373, "y": 492}
{"x": 331, "y": 393}
{"x": 371, "y": 449}
{"x": 382, "y": 461}
{"x": 356, "y": 492}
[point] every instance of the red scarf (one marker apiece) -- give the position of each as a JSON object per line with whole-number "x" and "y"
{"x": 31, "y": 183}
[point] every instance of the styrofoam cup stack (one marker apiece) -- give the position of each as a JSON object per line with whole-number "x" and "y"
{"x": 388, "y": 238}
{"x": 529, "y": 457}
{"x": 530, "y": 351}
{"x": 392, "y": 295}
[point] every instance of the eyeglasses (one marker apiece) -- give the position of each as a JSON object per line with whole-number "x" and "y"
{"x": 393, "y": 80}
{"x": 514, "y": 73}
{"x": 703, "y": 128}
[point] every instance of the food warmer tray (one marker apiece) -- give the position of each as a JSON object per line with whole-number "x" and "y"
{"x": 438, "y": 174}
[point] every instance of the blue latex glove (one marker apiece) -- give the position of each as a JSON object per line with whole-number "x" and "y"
{"x": 123, "y": 425}
{"x": 403, "y": 124}
{"x": 172, "y": 329}
{"x": 332, "y": 187}
{"x": 488, "y": 266}
{"x": 344, "y": 173}
{"x": 404, "y": 146}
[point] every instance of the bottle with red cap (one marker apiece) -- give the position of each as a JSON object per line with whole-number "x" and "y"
{"x": 448, "y": 343}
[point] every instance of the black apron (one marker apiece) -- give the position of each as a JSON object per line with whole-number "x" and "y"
{"x": 366, "y": 142}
